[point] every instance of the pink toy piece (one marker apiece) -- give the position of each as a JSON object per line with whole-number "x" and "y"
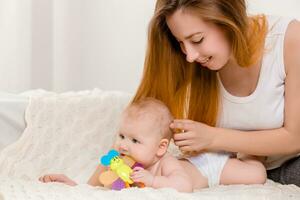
{"x": 137, "y": 165}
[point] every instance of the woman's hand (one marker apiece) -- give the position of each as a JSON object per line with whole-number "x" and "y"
{"x": 57, "y": 178}
{"x": 194, "y": 136}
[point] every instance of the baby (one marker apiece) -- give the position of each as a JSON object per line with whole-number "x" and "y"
{"x": 144, "y": 134}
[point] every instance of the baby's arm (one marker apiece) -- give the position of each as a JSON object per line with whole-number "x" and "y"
{"x": 61, "y": 178}
{"x": 173, "y": 176}
{"x": 247, "y": 170}
{"x": 94, "y": 179}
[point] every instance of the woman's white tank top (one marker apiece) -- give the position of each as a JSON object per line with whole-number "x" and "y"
{"x": 264, "y": 108}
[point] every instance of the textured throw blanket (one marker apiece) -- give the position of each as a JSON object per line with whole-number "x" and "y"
{"x": 67, "y": 133}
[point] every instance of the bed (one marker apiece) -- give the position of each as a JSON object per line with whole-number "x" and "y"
{"x": 67, "y": 133}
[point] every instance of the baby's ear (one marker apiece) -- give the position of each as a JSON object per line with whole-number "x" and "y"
{"x": 163, "y": 147}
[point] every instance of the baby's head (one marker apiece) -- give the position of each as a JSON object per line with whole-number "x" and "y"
{"x": 144, "y": 131}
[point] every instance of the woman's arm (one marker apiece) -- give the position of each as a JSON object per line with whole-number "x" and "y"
{"x": 260, "y": 143}
{"x": 284, "y": 140}
{"x": 200, "y": 137}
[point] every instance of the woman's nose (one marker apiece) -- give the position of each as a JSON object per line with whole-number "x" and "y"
{"x": 191, "y": 54}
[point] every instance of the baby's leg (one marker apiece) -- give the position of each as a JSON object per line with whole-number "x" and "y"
{"x": 246, "y": 171}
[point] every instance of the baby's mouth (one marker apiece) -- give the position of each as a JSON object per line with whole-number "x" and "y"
{"x": 124, "y": 154}
{"x": 129, "y": 160}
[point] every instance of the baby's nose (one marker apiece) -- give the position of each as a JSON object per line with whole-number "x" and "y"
{"x": 123, "y": 148}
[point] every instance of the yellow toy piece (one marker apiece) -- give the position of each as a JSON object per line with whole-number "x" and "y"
{"x": 118, "y": 166}
{"x": 117, "y": 176}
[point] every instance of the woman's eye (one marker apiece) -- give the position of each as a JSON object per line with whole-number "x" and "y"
{"x": 121, "y": 136}
{"x": 198, "y": 41}
{"x": 135, "y": 141}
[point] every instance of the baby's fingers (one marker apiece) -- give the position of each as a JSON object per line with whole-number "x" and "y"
{"x": 46, "y": 179}
{"x": 41, "y": 179}
{"x": 137, "y": 174}
{"x": 136, "y": 169}
{"x": 137, "y": 177}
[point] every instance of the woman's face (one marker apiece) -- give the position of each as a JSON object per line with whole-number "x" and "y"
{"x": 200, "y": 41}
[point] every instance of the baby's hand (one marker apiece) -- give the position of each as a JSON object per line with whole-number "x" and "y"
{"x": 57, "y": 178}
{"x": 139, "y": 174}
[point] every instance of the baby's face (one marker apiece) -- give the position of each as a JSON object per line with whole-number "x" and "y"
{"x": 139, "y": 138}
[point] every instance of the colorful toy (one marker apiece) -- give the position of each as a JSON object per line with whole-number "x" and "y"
{"x": 117, "y": 176}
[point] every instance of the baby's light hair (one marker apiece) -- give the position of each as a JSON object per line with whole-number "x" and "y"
{"x": 157, "y": 110}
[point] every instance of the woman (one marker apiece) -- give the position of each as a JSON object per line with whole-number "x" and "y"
{"x": 234, "y": 76}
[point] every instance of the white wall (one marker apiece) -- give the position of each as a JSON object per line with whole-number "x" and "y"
{"x": 15, "y": 40}
{"x": 100, "y": 43}
{"x": 72, "y": 44}
{"x": 82, "y": 44}
{"x": 275, "y": 7}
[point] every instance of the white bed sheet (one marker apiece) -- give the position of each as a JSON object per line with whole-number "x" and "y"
{"x": 90, "y": 120}
{"x": 12, "y": 122}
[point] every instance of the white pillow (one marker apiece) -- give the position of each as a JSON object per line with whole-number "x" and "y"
{"x": 12, "y": 122}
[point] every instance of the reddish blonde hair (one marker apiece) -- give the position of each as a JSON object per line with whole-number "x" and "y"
{"x": 189, "y": 90}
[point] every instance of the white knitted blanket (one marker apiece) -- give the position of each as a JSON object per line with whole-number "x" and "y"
{"x": 67, "y": 133}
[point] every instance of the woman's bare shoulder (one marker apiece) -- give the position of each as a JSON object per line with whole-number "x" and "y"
{"x": 292, "y": 45}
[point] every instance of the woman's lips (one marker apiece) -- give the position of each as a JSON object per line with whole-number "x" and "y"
{"x": 205, "y": 61}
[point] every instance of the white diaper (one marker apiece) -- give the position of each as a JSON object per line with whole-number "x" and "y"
{"x": 210, "y": 165}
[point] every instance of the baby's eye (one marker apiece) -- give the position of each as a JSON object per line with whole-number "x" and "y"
{"x": 135, "y": 141}
{"x": 121, "y": 136}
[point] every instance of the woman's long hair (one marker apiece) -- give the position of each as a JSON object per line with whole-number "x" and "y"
{"x": 189, "y": 90}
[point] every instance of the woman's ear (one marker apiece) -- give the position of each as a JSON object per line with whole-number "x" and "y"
{"x": 163, "y": 147}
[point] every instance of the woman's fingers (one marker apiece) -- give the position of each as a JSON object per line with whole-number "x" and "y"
{"x": 184, "y": 125}
{"x": 183, "y": 136}
{"x": 186, "y": 149}
{"x": 187, "y": 121}
{"x": 182, "y": 143}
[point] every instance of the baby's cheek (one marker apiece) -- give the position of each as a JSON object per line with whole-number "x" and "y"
{"x": 147, "y": 158}
{"x": 140, "y": 156}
